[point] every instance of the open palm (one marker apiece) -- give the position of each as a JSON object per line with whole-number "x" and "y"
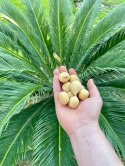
{"x": 87, "y": 112}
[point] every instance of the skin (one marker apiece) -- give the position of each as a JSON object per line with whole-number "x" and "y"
{"x": 89, "y": 144}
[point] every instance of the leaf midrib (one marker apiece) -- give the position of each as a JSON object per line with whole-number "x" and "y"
{"x": 59, "y": 35}
{"x": 40, "y": 30}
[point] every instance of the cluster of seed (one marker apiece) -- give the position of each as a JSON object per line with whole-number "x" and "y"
{"x": 73, "y": 90}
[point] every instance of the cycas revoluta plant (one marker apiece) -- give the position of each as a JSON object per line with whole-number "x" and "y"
{"x": 28, "y": 39}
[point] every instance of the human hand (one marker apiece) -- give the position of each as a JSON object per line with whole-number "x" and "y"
{"x": 87, "y": 113}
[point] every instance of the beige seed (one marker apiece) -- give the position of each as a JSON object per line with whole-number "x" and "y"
{"x": 64, "y": 77}
{"x": 66, "y": 87}
{"x": 63, "y": 98}
{"x": 73, "y": 102}
{"x": 83, "y": 87}
{"x": 75, "y": 87}
{"x": 70, "y": 94}
{"x": 83, "y": 94}
{"x": 73, "y": 77}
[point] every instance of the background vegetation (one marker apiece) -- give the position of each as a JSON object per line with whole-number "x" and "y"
{"x": 107, "y": 6}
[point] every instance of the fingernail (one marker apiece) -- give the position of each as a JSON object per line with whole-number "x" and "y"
{"x": 92, "y": 80}
{"x": 55, "y": 72}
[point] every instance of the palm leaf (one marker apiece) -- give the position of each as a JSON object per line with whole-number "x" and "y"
{"x": 59, "y": 14}
{"x": 13, "y": 50}
{"x": 113, "y": 58}
{"x": 103, "y": 76}
{"x": 112, "y": 122}
{"x": 14, "y": 16}
{"x": 10, "y": 44}
{"x": 112, "y": 134}
{"x": 104, "y": 29}
{"x": 18, "y": 135}
{"x": 14, "y": 96}
{"x": 81, "y": 25}
{"x": 34, "y": 13}
{"x": 9, "y": 63}
{"x": 105, "y": 46}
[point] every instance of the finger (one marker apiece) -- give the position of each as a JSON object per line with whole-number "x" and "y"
{"x": 93, "y": 89}
{"x": 56, "y": 84}
{"x": 72, "y": 71}
{"x": 56, "y": 72}
{"x": 63, "y": 69}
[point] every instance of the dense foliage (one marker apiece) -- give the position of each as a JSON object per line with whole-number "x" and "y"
{"x": 28, "y": 39}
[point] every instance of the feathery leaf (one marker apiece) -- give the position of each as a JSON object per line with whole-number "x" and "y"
{"x": 13, "y": 98}
{"x": 80, "y": 28}
{"x": 104, "y": 28}
{"x": 112, "y": 118}
{"x": 22, "y": 23}
{"x": 35, "y": 14}
{"x": 101, "y": 48}
{"x": 59, "y": 13}
{"x": 18, "y": 135}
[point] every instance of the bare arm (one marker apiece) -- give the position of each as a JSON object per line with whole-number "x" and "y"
{"x": 90, "y": 145}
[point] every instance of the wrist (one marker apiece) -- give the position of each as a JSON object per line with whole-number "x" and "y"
{"x": 86, "y": 131}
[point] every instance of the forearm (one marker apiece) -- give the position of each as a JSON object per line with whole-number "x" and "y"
{"x": 91, "y": 147}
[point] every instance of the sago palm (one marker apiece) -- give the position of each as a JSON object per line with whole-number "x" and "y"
{"x": 33, "y": 42}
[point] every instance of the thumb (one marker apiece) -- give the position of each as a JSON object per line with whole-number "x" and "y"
{"x": 56, "y": 84}
{"x": 93, "y": 89}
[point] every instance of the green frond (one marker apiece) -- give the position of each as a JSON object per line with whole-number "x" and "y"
{"x": 16, "y": 18}
{"x": 45, "y": 5}
{"x": 9, "y": 63}
{"x": 18, "y": 135}
{"x": 59, "y": 16}
{"x": 13, "y": 97}
{"x": 13, "y": 44}
{"x": 10, "y": 44}
{"x": 103, "y": 47}
{"x": 112, "y": 134}
{"x": 80, "y": 28}
{"x": 104, "y": 29}
{"x": 46, "y": 140}
{"x": 112, "y": 118}
{"x": 105, "y": 76}
{"x": 35, "y": 14}
{"x": 113, "y": 58}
